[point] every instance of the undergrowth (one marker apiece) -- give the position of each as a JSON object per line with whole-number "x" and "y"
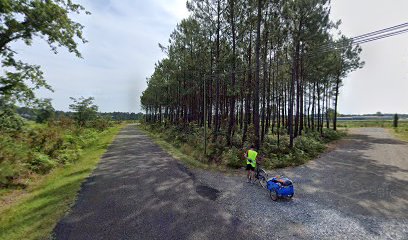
{"x": 39, "y": 148}
{"x": 275, "y": 152}
{"x": 32, "y": 213}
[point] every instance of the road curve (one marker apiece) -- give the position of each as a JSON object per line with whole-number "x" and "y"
{"x": 356, "y": 191}
{"x": 139, "y": 192}
{"x": 359, "y": 190}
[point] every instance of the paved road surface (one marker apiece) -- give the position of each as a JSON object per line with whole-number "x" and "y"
{"x": 139, "y": 192}
{"x": 357, "y": 191}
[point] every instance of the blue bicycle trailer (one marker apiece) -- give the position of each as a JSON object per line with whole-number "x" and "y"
{"x": 280, "y": 187}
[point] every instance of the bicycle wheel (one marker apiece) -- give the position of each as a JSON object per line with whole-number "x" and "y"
{"x": 262, "y": 177}
{"x": 273, "y": 195}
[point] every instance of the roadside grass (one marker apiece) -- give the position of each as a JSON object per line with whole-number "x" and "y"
{"x": 363, "y": 123}
{"x": 400, "y": 132}
{"x": 185, "y": 158}
{"x": 34, "y": 212}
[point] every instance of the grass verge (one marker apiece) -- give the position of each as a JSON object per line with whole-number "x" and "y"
{"x": 401, "y": 132}
{"x": 35, "y": 211}
{"x": 184, "y": 158}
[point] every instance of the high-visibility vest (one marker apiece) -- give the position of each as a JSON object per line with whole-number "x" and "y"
{"x": 252, "y": 157}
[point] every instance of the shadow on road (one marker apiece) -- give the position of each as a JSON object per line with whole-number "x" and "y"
{"x": 138, "y": 191}
{"x": 360, "y": 178}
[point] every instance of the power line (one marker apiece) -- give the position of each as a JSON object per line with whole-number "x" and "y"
{"x": 382, "y": 31}
{"x": 325, "y": 48}
{"x": 370, "y": 34}
{"x": 381, "y": 37}
{"x": 364, "y": 38}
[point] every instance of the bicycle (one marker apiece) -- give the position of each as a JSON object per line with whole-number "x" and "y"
{"x": 261, "y": 176}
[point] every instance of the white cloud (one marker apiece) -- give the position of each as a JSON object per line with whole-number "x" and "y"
{"x": 123, "y": 47}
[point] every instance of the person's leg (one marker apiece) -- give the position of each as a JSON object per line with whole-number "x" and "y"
{"x": 253, "y": 175}
{"x": 248, "y": 172}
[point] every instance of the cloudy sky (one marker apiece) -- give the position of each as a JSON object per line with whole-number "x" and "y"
{"x": 123, "y": 47}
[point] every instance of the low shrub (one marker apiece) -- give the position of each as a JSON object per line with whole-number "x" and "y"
{"x": 68, "y": 155}
{"x": 8, "y": 171}
{"x": 233, "y": 158}
{"x": 38, "y": 148}
{"x": 275, "y": 151}
{"x": 309, "y": 146}
{"x": 101, "y": 123}
{"x": 330, "y": 135}
{"x": 41, "y": 163}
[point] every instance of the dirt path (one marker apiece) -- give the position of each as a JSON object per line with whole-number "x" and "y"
{"x": 357, "y": 191}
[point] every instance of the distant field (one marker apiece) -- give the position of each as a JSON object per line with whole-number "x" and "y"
{"x": 370, "y": 123}
{"x": 401, "y": 132}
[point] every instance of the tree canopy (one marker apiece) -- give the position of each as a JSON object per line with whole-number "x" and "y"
{"x": 24, "y": 20}
{"x": 235, "y": 65}
{"x": 84, "y": 110}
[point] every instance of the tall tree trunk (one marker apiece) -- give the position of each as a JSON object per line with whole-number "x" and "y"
{"x": 265, "y": 77}
{"x": 232, "y": 100}
{"x": 336, "y": 97}
{"x": 217, "y": 67}
{"x": 313, "y": 106}
{"x": 292, "y": 94}
{"x": 319, "y": 123}
{"x": 210, "y": 87}
{"x": 256, "y": 87}
{"x": 247, "y": 120}
{"x": 271, "y": 81}
{"x": 301, "y": 94}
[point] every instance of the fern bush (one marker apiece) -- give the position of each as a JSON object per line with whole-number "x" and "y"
{"x": 38, "y": 148}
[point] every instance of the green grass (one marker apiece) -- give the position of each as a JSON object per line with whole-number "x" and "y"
{"x": 402, "y": 132}
{"x": 364, "y": 123}
{"x": 185, "y": 158}
{"x": 35, "y": 211}
{"x": 175, "y": 152}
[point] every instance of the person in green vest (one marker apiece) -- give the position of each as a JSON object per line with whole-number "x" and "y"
{"x": 250, "y": 156}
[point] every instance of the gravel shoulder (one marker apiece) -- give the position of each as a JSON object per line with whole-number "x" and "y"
{"x": 356, "y": 191}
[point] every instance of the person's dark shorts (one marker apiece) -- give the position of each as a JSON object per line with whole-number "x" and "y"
{"x": 249, "y": 167}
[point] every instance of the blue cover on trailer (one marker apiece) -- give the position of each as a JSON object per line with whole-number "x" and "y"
{"x": 282, "y": 186}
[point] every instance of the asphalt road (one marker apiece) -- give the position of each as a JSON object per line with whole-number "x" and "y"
{"x": 357, "y": 191}
{"x": 139, "y": 192}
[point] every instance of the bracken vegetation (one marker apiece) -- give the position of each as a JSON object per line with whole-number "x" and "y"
{"x": 37, "y": 148}
{"x": 239, "y": 72}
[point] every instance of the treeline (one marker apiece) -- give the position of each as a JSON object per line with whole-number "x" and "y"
{"x": 35, "y": 114}
{"x": 234, "y": 64}
{"x": 123, "y": 116}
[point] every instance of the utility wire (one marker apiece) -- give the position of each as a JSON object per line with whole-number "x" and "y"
{"x": 382, "y": 31}
{"x": 380, "y": 37}
{"x": 325, "y": 48}
{"x": 376, "y": 35}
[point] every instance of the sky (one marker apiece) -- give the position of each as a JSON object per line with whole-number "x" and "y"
{"x": 123, "y": 47}
{"x": 382, "y": 85}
